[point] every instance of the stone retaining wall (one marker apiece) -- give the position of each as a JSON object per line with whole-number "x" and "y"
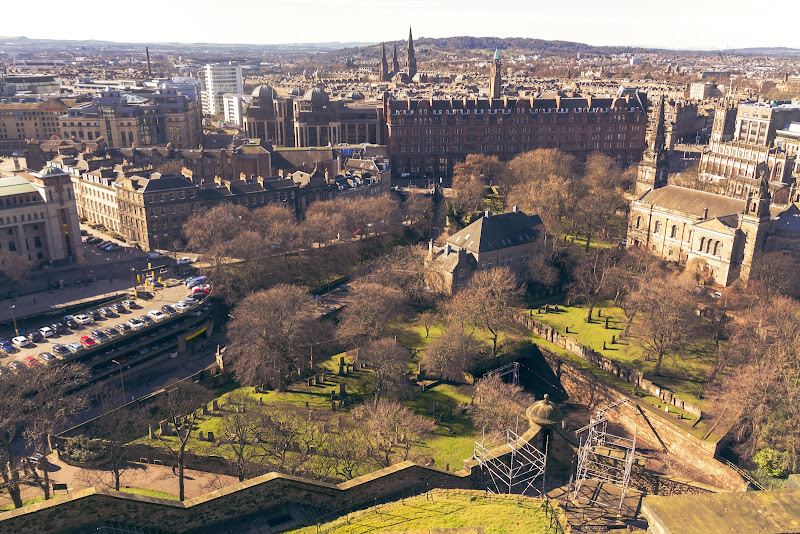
{"x": 588, "y": 389}
{"x": 623, "y": 372}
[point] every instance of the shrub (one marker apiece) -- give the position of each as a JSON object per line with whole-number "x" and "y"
{"x": 772, "y": 462}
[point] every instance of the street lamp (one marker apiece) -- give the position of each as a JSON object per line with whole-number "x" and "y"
{"x": 124, "y": 398}
{"x": 14, "y": 317}
{"x": 133, "y": 278}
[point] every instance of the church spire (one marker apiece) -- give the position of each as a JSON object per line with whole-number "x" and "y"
{"x": 496, "y": 82}
{"x": 384, "y": 74}
{"x": 653, "y": 169}
{"x": 395, "y": 63}
{"x": 411, "y": 59}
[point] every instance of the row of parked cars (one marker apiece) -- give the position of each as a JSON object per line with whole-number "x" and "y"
{"x": 108, "y": 246}
{"x": 97, "y": 335}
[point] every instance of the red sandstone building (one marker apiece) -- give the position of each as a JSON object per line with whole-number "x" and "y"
{"x": 427, "y": 137}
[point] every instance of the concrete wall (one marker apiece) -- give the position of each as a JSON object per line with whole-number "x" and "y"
{"x": 628, "y": 374}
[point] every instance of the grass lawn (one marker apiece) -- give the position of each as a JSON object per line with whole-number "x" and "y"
{"x": 25, "y": 503}
{"x": 683, "y": 373}
{"x": 498, "y": 514}
{"x": 151, "y": 493}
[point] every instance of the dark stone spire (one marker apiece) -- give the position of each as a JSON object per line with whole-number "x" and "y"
{"x": 395, "y": 63}
{"x": 411, "y": 59}
{"x": 384, "y": 64}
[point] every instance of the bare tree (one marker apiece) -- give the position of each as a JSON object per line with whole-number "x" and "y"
{"x": 487, "y": 301}
{"x": 499, "y": 405}
{"x": 39, "y": 400}
{"x": 370, "y": 312}
{"x": 419, "y": 209}
{"x": 451, "y": 354}
{"x": 116, "y": 429}
{"x": 391, "y": 429}
{"x": 469, "y": 181}
{"x": 777, "y": 272}
{"x": 427, "y": 319}
{"x": 241, "y": 424}
{"x": 389, "y": 363}
{"x": 15, "y": 267}
{"x": 272, "y": 332}
{"x": 179, "y": 403}
{"x": 664, "y": 318}
{"x": 593, "y": 278}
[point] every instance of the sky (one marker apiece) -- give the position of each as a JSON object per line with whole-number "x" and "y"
{"x": 678, "y": 24}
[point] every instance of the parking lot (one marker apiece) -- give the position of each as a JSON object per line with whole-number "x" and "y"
{"x": 174, "y": 292}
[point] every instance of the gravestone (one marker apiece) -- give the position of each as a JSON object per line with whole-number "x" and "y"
{"x": 322, "y": 378}
{"x": 205, "y": 409}
{"x": 341, "y": 360}
{"x": 214, "y": 405}
{"x": 613, "y": 339}
{"x": 311, "y": 381}
{"x": 341, "y": 370}
{"x": 200, "y": 436}
{"x": 261, "y": 401}
{"x": 607, "y": 323}
{"x": 342, "y": 389}
{"x": 210, "y": 436}
{"x": 149, "y": 431}
{"x": 333, "y": 406}
{"x": 163, "y": 428}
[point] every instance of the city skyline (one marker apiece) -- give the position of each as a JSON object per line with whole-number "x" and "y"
{"x": 719, "y": 25}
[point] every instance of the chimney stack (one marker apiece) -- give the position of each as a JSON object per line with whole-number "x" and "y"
{"x": 147, "y": 52}
{"x": 487, "y": 214}
{"x": 514, "y": 209}
{"x": 705, "y": 213}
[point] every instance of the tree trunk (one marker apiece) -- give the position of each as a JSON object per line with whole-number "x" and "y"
{"x": 11, "y": 477}
{"x": 591, "y": 309}
{"x": 588, "y": 240}
{"x": 117, "y": 476}
{"x": 46, "y": 477}
{"x": 181, "y": 489}
{"x": 660, "y": 357}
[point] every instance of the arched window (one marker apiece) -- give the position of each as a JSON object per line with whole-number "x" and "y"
{"x": 702, "y": 243}
{"x": 674, "y": 231}
{"x": 638, "y": 221}
{"x": 658, "y": 227}
{"x": 708, "y": 246}
{"x": 717, "y": 248}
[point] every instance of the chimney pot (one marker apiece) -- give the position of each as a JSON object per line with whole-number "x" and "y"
{"x": 705, "y": 213}
{"x": 515, "y": 209}
{"x": 488, "y": 213}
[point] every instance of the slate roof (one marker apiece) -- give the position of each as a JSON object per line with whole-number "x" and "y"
{"x": 694, "y": 202}
{"x": 497, "y": 232}
{"x": 166, "y": 182}
{"x": 789, "y": 220}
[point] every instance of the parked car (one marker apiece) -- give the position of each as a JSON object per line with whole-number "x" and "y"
{"x": 153, "y": 254}
{"x": 156, "y": 315}
{"x": 197, "y": 281}
{"x": 59, "y": 328}
{"x": 106, "y": 312}
{"x": 87, "y": 342}
{"x": 95, "y": 315}
{"x": 15, "y": 366}
{"x": 35, "y": 460}
{"x": 135, "y": 323}
{"x": 123, "y": 327}
{"x": 146, "y": 320}
{"x": 46, "y": 331}
{"x": 20, "y": 341}
{"x": 111, "y": 332}
{"x": 113, "y": 247}
{"x": 129, "y": 304}
{"x": 118, "y": 308}
{"x": 74, "y": 347}
{"x": 189, "y": 301}
{"x": 99, "y": 336}
{"x": 84, "y": 319}
{"x": 7, "y": 346}
{"x": 71, "y": 322}
{"x": 185, "y": 261}
{"x": 60, "y": 350}
{"x": 169, "y": 310}
{"x": 30, "y": 361}
{"x": 180, "y": 306}
{"x": 35, "y": 336}
{"x": 197, "y": 295}
{"x": 46, "y": 357}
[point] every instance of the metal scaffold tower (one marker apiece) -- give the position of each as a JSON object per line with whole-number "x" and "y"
{"x": 512, "y": 463}
{"x": 605, "y": 458}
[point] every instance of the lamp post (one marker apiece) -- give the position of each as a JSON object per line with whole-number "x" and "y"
{"x": 133, "y": 278}
{"x": 121, "y": 379}
{"x": 14, "y": 317}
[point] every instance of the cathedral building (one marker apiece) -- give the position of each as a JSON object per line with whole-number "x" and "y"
{"x": 716, "y": 235}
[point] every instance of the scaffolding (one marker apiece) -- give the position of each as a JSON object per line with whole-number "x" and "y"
{"x": 604, "y": 458}
{"x": 512, "y": 463}
{"x": 511, "y": 368}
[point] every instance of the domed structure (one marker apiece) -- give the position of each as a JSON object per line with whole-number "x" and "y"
{"x": 51, "y": 171}
{"x": 295, "y": 91}
{"x": 316, "y": 95}
{"x": 264, "y": 93}
{"x": 355, "y": 95}
{"x": 544, "y": 413}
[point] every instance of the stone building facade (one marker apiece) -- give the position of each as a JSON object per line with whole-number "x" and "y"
{"x": 502, "y": 240}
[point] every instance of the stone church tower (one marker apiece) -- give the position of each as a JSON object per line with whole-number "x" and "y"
{"x": 654, "y": 167}
{"x": 384, "y": 75}
{"x": 495, "y": 83}
{"x": 754, "y": 222}
{"x": 395, "y": 63}
{"x": 411, "y": 59}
